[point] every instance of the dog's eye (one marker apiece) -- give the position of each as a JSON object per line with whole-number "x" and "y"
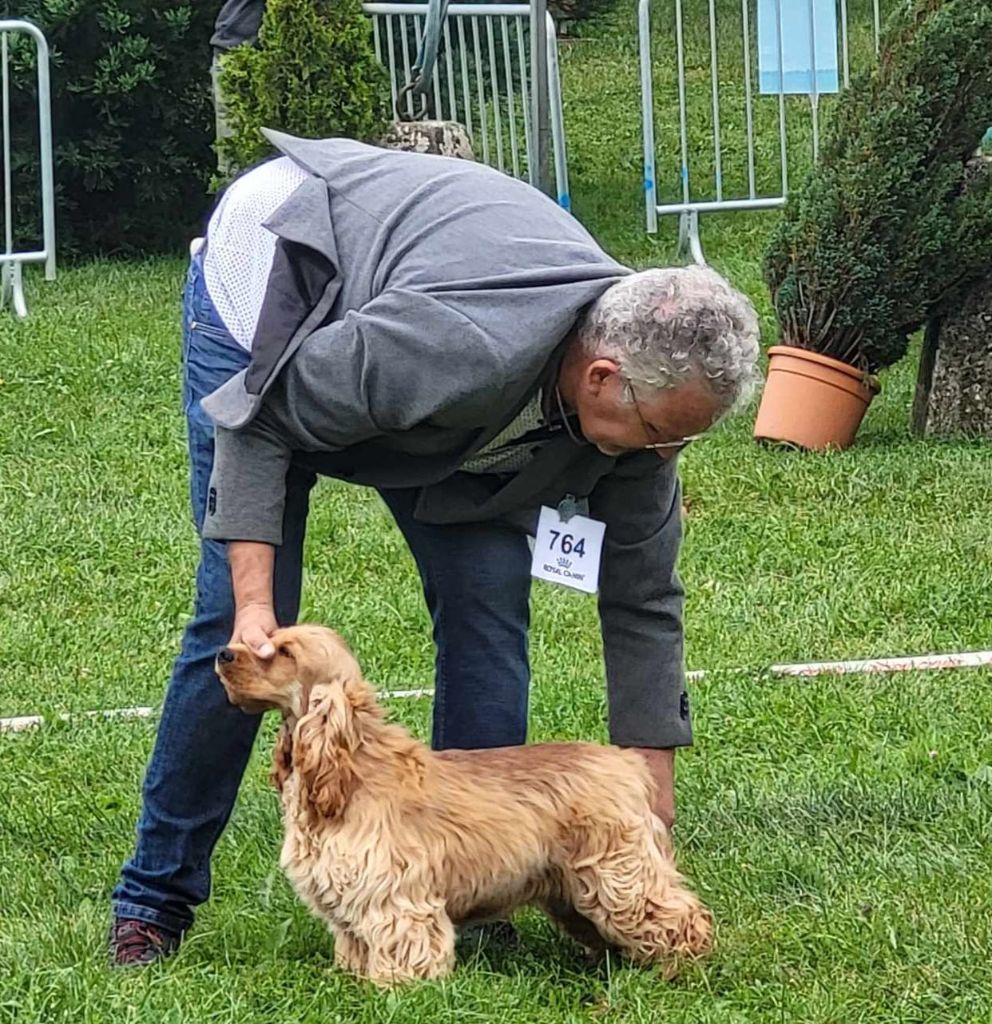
{"x": 284, "y": 652}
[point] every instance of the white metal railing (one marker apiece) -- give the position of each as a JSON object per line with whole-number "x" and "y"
{"x": 712, "y": 79}
{"x": 482, "y": 79}
{"x": 11, "y": 262}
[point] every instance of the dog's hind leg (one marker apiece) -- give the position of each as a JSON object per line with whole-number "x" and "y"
{"x": 572, "y": 923}
{"x": 409, "y": 943}
{"x": 621, "y": 879}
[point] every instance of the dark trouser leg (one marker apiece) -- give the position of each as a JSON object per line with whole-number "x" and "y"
{"x": 476, "y": 580}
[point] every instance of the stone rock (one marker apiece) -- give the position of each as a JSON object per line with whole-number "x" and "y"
{"x": 443, "y": 138}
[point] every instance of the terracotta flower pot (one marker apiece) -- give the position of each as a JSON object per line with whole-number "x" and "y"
{"x": 812, "y": 401}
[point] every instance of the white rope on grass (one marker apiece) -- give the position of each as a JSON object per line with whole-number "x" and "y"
{"x": 923, "y": 663}
{"x": 868, "y": 666}
{"x": 24, "y": 722}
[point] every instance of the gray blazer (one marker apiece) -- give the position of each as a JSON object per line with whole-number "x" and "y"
{"x": 415, "y": 305}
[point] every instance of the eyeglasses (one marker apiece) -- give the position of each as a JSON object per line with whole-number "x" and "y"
{"x": 664, "y": 446}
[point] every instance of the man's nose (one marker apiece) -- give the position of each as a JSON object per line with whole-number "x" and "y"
{"x": 225, "y": 656}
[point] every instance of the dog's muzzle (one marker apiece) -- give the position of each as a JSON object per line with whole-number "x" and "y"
{"x": 225, "y": 656}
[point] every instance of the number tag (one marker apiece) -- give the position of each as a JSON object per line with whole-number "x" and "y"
{"x": 568, "y": 552}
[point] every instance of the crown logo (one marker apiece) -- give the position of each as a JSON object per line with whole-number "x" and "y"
{"x": 565, "y": 563}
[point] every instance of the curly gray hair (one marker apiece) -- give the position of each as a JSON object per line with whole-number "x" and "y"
{"x": 665, "y": 327}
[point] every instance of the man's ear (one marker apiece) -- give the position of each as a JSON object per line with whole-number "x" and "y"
{"x": 599, "y": 374}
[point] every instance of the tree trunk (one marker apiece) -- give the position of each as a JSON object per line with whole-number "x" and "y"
{"x": 443, "y": 138}
{"x": 954, "y": 385}
{"x": 924, "y": 379}
{"x": 955, "y": 397}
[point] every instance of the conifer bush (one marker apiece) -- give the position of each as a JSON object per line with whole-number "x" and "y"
{"x": 313, "y": 73}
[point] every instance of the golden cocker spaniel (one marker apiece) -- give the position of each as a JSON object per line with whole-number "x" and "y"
{"x": 393, "y": 845}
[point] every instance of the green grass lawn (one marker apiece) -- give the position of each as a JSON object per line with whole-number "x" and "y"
{"x": 838, "y": 827}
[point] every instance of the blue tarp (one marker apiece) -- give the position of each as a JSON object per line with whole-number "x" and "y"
{"x": 809, "y": 40}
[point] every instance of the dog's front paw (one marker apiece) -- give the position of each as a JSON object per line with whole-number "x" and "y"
{"x": 688, "y": 938}
{"x": 401, "y": 950}
{"x": 351, "y": 954}
{"x": 389, "y": 974}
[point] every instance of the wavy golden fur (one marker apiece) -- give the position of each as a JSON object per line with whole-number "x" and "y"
{"x": 394, "y": 845}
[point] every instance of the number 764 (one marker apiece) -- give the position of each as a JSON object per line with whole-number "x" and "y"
{"x": 569, "y": 545}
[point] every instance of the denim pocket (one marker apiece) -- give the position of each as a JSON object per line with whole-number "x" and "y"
{"x": 212, "y": 357}
{"x": 209, "y": 330}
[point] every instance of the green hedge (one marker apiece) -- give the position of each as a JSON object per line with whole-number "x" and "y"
{"x": 132, "y": 120}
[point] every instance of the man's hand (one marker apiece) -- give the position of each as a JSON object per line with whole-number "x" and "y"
{"x": 661, "y": 764}
{"x": 251, "y": 576}
{"x": 253, "y": 625}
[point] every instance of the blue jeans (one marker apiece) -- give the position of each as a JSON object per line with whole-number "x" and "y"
{"x": 480, "y": 616}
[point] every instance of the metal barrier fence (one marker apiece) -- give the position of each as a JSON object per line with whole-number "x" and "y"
{"x": 714, "y": 90}
{"x": 11, "y": 262}
{"x": 482, "y": 79}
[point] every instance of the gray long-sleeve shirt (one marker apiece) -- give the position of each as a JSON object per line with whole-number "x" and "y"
{"x": 416, "y": 305}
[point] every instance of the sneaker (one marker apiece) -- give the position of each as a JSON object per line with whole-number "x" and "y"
{"x": 137, "y": 943}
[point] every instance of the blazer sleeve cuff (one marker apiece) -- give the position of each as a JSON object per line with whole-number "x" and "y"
{"x": 246, "y": 497}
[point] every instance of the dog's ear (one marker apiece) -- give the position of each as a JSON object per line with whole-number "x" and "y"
{"x": 323, "y": 744}
{"x": 361, "y": 696}
{"x": 282, "y": 757}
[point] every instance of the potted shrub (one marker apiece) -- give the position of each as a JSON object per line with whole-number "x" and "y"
{"x": 882, "y": 235}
